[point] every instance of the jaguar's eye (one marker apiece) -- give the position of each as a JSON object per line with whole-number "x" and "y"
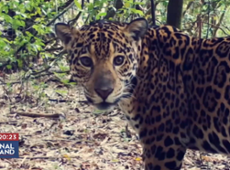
{"x": 86, "y": 61}
{"x": 118, "y": 60}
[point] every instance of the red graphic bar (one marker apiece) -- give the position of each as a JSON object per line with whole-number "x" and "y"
{"x": 9, "y": 136}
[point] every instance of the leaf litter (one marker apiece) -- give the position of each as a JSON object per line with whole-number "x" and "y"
{"x": 77, "y": 137}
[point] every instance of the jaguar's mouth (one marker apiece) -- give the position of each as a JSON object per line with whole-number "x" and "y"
{"x": 103, "y": 105}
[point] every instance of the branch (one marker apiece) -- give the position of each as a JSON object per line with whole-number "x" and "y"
{"x": 35, "y": 76}
{"x": 220, "y": 21}
{"x": 118, "y": 4}
{"x": 64, "y": 11}
{"x": 215, "y": 26}
{"x": 209, "y": 3}
{"x": 72, "y": 22}
{"x": 187, "y": 8}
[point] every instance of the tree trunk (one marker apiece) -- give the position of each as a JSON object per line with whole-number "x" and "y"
{"x": 174, "y": 13}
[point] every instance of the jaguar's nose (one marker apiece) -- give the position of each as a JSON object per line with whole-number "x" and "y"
{"x": 104, "y": 92}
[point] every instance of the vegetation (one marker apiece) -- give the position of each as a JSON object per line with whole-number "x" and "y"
{"x": 27, "y": 37}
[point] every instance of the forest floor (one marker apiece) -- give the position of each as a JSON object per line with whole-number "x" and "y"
{"x": 58, "y": 130}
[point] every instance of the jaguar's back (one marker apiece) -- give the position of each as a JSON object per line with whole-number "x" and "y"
{"x": 174, "y": 89}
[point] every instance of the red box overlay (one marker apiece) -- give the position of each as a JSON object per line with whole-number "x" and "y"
{"x": 9, "y": 136}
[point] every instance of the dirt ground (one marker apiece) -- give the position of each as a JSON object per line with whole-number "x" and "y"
{"x": 58, "y": 130}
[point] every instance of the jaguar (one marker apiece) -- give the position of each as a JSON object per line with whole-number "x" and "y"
{"x": 173, "y": 88}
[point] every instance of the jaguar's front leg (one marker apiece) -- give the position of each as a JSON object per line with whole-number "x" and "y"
{"x": 165, "y": 154}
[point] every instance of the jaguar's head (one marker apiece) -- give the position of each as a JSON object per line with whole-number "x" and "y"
{"x": 103, "y": 58}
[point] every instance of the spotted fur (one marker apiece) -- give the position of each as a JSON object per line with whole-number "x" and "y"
{"x": 173, "y": 88}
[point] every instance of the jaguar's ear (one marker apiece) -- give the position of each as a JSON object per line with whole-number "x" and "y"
{"x": 65, "y": 32}
{"x": 137, "y": 28}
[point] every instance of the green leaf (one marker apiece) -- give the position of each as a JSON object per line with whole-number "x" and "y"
{"x": 16, "y": 23}
{"x": 7, "y": 18}
{"x": 20, "y": 63}
{"x": 9, "y": 67}
{"x": 97, "y": 111}
{"x": 99, "y": 15}
{"x": 77, "y": 4}
{"x": 63, "y": 92}
{"x": 4, "y": 39}
{"x": 90, "y": 7}
{"x": 63, "y": 67}
{"x": 65, "y": 81}
{"x": 136, "y": 11}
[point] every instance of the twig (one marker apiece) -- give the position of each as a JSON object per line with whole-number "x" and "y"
{"x": 52, "y": 49}
{"x": 60, "y": 139}
{"x": 48, "y": 157}
{"x": 34, "y": 115}
{"x": 9, "y": 122}
{"x": 59, "y": 100}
